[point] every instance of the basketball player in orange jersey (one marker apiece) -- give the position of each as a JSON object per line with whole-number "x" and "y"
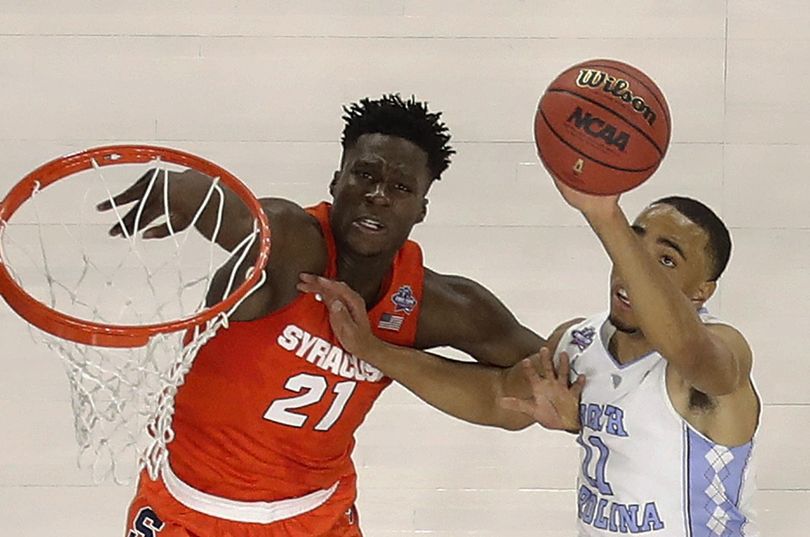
{"x": 669, "y": 413}
{"x": 265, "y": 419}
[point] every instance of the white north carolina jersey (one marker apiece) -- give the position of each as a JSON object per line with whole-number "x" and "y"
{"x": 644, "y": 469}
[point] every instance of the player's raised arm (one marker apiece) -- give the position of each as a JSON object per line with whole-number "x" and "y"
{"x": 469, "y": 391}
{"x": 186, "y": 194}
{"x": 663, "y": 280}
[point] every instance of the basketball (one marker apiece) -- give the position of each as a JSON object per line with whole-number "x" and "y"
{"x": 602, "y": 127}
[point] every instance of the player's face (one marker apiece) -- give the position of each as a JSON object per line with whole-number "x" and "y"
{"x": 379, "y": 194}
{"x": 679, "y": 248}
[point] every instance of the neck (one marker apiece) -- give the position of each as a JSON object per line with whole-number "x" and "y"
{"x": 366, "y": 275}
{"x": 626, "y": 347}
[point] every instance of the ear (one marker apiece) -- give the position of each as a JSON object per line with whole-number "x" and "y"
{"x": 333, "y": 182}
{"x": 423, "y": 214}
{"x": 703, "y": 293}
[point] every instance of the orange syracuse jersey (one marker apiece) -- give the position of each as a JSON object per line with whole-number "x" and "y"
{"x": 270, "y": 406}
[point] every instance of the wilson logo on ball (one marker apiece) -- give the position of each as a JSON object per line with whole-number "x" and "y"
{"x": 618, "y": 87}
{"x": 595, "y": 131}
{"x": 599, "y": 128}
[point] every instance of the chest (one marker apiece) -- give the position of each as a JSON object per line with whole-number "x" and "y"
{"x": 620, "y": 400}
{"x": 287, "y": 370}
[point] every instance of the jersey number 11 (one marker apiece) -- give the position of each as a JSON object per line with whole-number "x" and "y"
{"x": 597, "y": 479}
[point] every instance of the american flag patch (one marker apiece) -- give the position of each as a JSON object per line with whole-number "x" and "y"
{"x": 390, "y": 322}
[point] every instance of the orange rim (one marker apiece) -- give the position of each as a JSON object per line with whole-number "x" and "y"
{"x": 106, "y": 335}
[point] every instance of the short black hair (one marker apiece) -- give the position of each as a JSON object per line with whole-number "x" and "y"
{"x": 409, "y": 119}
{"x": 719, "y": 247}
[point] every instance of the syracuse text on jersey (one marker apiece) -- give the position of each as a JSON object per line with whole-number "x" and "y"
{"x": 326, "y": 356}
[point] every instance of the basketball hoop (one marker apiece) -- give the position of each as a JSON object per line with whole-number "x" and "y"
{"x": 126, "y": 315}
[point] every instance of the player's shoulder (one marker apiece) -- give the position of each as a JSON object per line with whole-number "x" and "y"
{"x": 297, "y": 244}
{"x": 292, "y": 227}
{"x": 739, "y": 346}
{"x": 286, "y": 213}
{"x": 729, "y": 334}
{"x": 578, "y": 335}
{"x": 451, "y": 292}
{"x": 558, "y": 333}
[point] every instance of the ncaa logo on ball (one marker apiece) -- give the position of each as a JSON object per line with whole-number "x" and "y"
{"x": 599, "y": 128}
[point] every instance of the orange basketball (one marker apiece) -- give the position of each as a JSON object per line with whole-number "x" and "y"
{"x": 602, "y": 127}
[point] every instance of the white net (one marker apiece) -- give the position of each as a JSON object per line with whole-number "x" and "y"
{"x": 58, "y": 248}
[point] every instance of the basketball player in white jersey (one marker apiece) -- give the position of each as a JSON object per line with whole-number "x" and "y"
{"x": 668, "y": 415}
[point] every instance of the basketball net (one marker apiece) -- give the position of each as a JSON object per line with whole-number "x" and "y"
{"x": 57, "y": 249}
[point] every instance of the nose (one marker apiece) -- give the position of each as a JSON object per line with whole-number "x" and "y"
{"x": 378, "y": 194}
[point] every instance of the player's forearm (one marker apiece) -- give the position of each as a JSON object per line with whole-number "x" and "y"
{"x": 468, "y": 391}
{"x": 665, "y": 315}
{"x": 224, "y": 219}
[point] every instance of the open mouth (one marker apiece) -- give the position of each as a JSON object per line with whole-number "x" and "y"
{"x": 368, "y": 223}
{"x": 623, "y": 297}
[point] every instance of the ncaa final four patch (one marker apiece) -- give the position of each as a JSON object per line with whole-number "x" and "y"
{"x": 403, "y": 299}
{"x": 391, "y": 322}
{"x": 583, "y": 338}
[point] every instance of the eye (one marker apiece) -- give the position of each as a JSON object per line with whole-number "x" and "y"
{"x": 366, "y": 175}
{"x": 403, "y": 188}
{"x": 668, "y": 261}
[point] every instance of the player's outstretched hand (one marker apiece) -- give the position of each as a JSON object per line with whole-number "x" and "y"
{"x": 187, "y": 190}
{"x": 347, "y": 313}
{"x": 554, "y": 403}
{"x": 588, "y": 204}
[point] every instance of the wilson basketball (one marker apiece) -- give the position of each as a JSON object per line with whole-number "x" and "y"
{"x": 602, "y": 127}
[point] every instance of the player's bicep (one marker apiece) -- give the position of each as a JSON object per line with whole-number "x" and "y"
{"x": 519, "y": 342}
{"x": 731, "y": 360}
{"x": 460, "y": 313}
{"x": 504, "y": 348}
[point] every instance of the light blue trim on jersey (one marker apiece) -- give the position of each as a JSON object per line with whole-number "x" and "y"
{"x": 605, "y": 332}
{"x": 687, "y": 519}
{"x": 632, "y": 362}
{"x": 715, "y": 477}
